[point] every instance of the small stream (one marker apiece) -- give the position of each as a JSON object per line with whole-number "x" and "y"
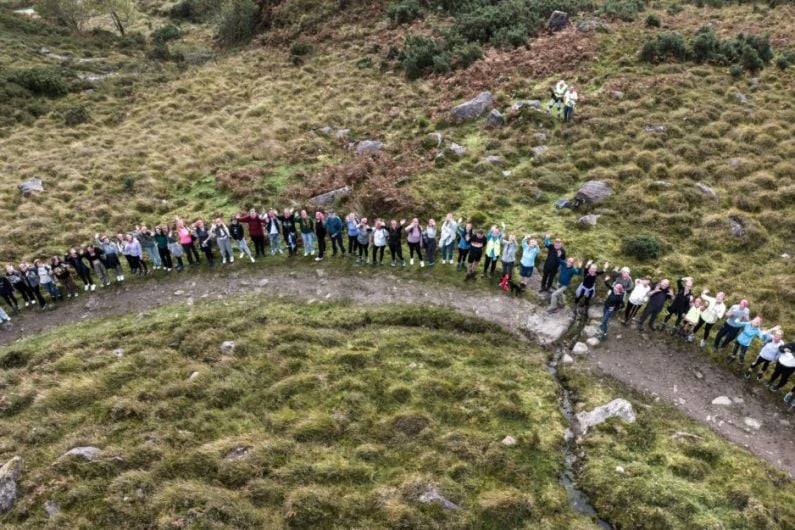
{"x": 578, "y": 499}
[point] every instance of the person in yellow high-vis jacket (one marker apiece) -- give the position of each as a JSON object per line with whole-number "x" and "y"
{"x": 569, "y": 102}
{"x": 558, "y": 93}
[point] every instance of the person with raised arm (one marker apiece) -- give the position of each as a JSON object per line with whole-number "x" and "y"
{"x": 713, "y": 311}
{"x": 567, "y": 272}
{"x": 186, "y": 237}
{"x": 530, "y": 250}
{"x": 394, "y": 235}
{"x": 556, "y": 255}
{"x": 659, "y": 293}
{"x": 255, "y": 231}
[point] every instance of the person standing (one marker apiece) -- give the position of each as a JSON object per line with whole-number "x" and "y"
{"x": 380, "y": 236}
{"x": 746, "y": 336}
{"x": 61, "y": 271}
{"x": 509, "y": 248}
{"x": 785, "y": 366}
{"x": 465, "y": 234}
{"x": 414, "y": 239}
{"x": 681, "y": 303}
{"x": 135, "y": 256}
{"x": 476, "y": 243}
{"x": 638, "y": 297}
{"x": 567, "y": 272}
{"x": 447, "y": 238}
{"x": 493, "y": 250}
{"x": 558, "y": 94}
{"x": 352, "y": 224}
{"x": 736, "y": 318}
{"x": 110, "y": 253}
{"x": 161, "y": 241}
{"x": 307, "y": 227}
{"x": 393, "y": 239}
{"x": 273, "y": 228}
{"x": 320, "y": 234}
{"x": 530, "y": 250}
{"x": 205, "y": 240}
{"x": 75, "y": 260}
{"x": 15, "y": 278}
{"x": 255, "y": 230}
{"x": 47, "y": 279}
{"x": 175, "y": 249}
{"x": 768, "y": 354}
{"x": 429, "y": 242}
{"x": 363, "y": 231}
{"x": 220, "y": 233}
{"x": 31, "y": 278}
{"x": 613, "y": 303}
{"x": 659, "y": 293}
{"x": 147, "y": 240}
{"x": 569, "y": 102}
{"x": 239, "y": 237}
{"x": 186, "y": 237}
{"x": 556, "y": 255}
{"x": 96, "y": 259}
{"x": 334, "y": 229}
{"x": 714, "y": 311}
{"x": 287, "y": 221}
{"x": 587, "y": 288}
{"x": 7, "y": 292}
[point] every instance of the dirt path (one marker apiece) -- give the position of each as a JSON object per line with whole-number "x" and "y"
{"x": 658, "y": 367}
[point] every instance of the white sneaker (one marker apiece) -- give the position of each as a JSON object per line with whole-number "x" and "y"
{"x": 224, "y": 261}
{"x": 313, "y": 253}
{"x": 242, "y": 254}
{"x": 411, "y": 261}
{"x": 121, "y": 278}
{"x": 252, "y": 260}
{"x": 93, "y": 287}
{"x": 85, "y": 288}
{"x": 231, "y": 259}
{"x": 27, "y": 304}
{"x": 305, "y": 254}
{"x": 703, "y": 343}
{"x": 318, "y": 259}
{"x": 422, "y": 263}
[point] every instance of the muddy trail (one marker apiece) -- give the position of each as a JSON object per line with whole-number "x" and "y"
{"x": 657, "y": 366}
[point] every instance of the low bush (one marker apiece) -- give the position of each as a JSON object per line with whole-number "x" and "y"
{"x": 237, "y": 23}
{"x": 652, "y": 21}
{"x": 301, "y": 48}
{"x": 165, "y": 34}
{"x": 404, "y": 12}
{"x": 642, "y": 247}
{"x": 76, "y": 115}
{"x": 669, "y": 46}
{"x": 194, "y": 10}
{"x": 626, "y": 10}
{"x": 40, "y": 81}
{"x": 422, "y": 56}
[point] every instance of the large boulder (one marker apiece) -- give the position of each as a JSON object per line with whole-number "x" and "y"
{"x": 558, "y": 20}
{"x": 328, "y": 198}
{"x": 494, "y": 119}
{"x": 519, "y": 105}
{"x": 618, "y": 408}
{"x": 29, "y": 186}
{"x": 593, "y": 191}
{"x": 472, "y": 109}
{"x": 9, "y": 474}
{"x": 87, "y": 453}
{"x": 593, "y": 24}
{"x": 368, "y": 146}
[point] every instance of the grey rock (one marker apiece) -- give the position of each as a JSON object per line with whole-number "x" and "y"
{"x": 457, "y": 150}
{"x": 724, "y": 401}
{"x": 494, "y": 160}
{"x": 540, "y": 137}
{"x": 532, "y": 103}
{"x": 495, "y": 119}
{"x": 9, "y": 474}
{"x": 52, "y": 508}
{"x": 734, "y": 162}
{"x": 539, "y": 150}
{"x": 752, "y": 423}
{"x": 342, "y": 134}
{"x": 593, "y": 24}
{"x": 662, "y": 184}
{"x": 591, "y": 331}
{"x": 238, "y": 452}
{"x": 29, "y": 186}
{"x": 736, "y": 225}
{"x": 472, "y": 109}
{"x": 44, "y": 50}
{"x": 593, "y": 191}
{"x": 433, "y": 496}
{"x": 558, "y": 20}
{"x": 567, "y": 359}
{"x": 741, "y": 98}
{"x": 228, "y": 347}
{"x": 508, "y": 441}
{"x": 579, "y": 348}
{"x": 328, "y": 198}
{"x": 593, "y": 342}
{"x": 118, "y": 352}
{"x": 590, "y": 219}
{"x": 754, "y": 81}
{"x": 325, "y": 131}
{"x": 193, "y": 376}
{"x": 618, "y": 408}
{"x": 87, "y": 453}
{"x": 655, "y": 129}
{"x": 706, "y": 190}
{"x": 616, "y": 94}
{"x": 27, "y": 12}
{"x": 368, "y": 146}
{"x": 434, "y": 139}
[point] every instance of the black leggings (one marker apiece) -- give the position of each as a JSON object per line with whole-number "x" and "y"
{"x": 489, "y": 263}
{"x": 193, "y": 256}
{"x": 259, "y": 247}
{"x": 759, "y": 360}
{"x": 548, "y": 278}
{"x": 11, "y": 300}
{"x": 376, "y": 250}
{"x": 165, "y": 257}
{"x": 24, "y": 290}
{"x": 414, "y": 247}
{"x": 363, "y": 250}
{"x": 85, "y": 276}
{"x": 727, "y": 333}
{"x": 321, "y": 246}
{"x": 336, "y": 241}
{"x": 462, "y": 255}
{"x": 353, "y": 244}
{"x": 36, "y": 292}
{"x": 630, "y": 311}
{"x": 679, "y": 316}
{"x": 783, "y": 372}
{"x": 650, "y": 313}
{"x": 707, "y": 327}
{"x": 208, "y": 253}
{"x": 396, "y": 251}
{"x": 742, "y": 349}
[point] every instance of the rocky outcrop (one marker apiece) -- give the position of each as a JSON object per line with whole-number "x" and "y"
{"x": 618, "y": 408}
{"x": 228, "y": 347}
{"x": 558, "y": 20}
{"x": 29, "y": 186}
{"x": 588, "y": 220}
{"x": 593, "y": 24}
{"x": 522, "y": 103}
{"x": 472, "y": 109}
{"x": 9, "y": 474}
{"x": 328, "y": 198}
{"x": 593, "y": 191}
{"x": 706, "y": 190}
{"x": 367, "y": 146}
{"x": 87, "y": 453}
{"x": 494, "y": 119}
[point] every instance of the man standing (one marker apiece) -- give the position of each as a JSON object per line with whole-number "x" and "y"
{"x": 334, "y": 229}
{"x": 556, "y": 254}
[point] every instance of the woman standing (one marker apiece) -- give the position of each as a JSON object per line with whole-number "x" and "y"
{"x": 110, "y": 251}
{"x": 613, "y": 304}
{"x": 61, "y": 271}
{"x": 363, "y": 231}
{"x": 714, "y": 311}
{"x": 587, "y": 288}
{"x": 414, "y": 239}
{"x": 161, "y": 240}
{"x": 380, "y": 235}
{"x": 175, "y": 249}
{"x": 7, "y": 292}
{"x": 134, "y": 253}
{"x": 95, "y": 258}
{"x": 476, "y": 243}
{"x": 352, "y": 224}
{"x": 464, "y": 236}
{"x": 307, "y": 226}
{"x": 429, "y": 242}
{"x": 185, "y": 236}
{"x": 748, "y": 333}
{"x": 47, "y": 279}
{"x": 274, "y": 228}
{"x": 255, "y": 230}
{"x": 394, "y": 234}
{"x": 530, "y": 250}
{"x": 239, "y": 237}
{"x": 288, "y": 229}
{"x": 147, "y": 240}
{"x": 15, "y": 278}
{"x": 785, "y": 366}
{"x": 768, "y": 354}
{"x": 205, "y": 241}
{"x": 638, "y": 297}
{"x": 509, "y": 248}
{"x": 31, "y": 278}
{"x": 223, "y": 239}
{"x": 493, "y": 250}
{"x": 75, "y": 260}
{"x": 680, "y": 304}
{"x": 447, "y": 239}
{"x": 320, "y": 233}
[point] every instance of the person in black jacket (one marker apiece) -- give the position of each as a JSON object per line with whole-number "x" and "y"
{"x": 288, "y": 229}
{"x": 75, "y": 260}
{"x": 30, "y": 277}
{"x": 320, "y": 233}
{"x": 239, "y": 237}
{"x": 7, "y": 292}
{"x": 659, "y": 293}
{"x": 394, "y": 232}
{"x": 680, "y": 304}
{"x": 15, "y": 278}
{"x": 613, "y": 303}
{"x": 96, "y": 258}
{"x": 556, "y": 254}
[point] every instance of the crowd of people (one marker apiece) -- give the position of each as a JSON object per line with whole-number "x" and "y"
{"x": 170, "y": 247}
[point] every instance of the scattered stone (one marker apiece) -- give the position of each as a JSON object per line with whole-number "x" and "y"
{"x": 734, "y": 162}
{"x": 663, "y": 184}
{"x": 237, "y": 452}
{"x": 31, "y": 185}
{"x": 591, "y": 331}
{"x": 27, "y": 12}
{"x": 785, "y": 256}
{"x": 457, "y": 150}
{"x": 655, "y": 129}
{"x": 434, "y": 139}
{"x": 494, "y": 160}
{"x": 784, "y": 422}
{"x": 540, "y": 137}
{"x": 328, "y": 198}
{"x": 706, "y": 190}
{"x": 413, "y": 365}
{"x": 342, "y": 134}
{"x": 616, "y": 94}
{"x": 754, "y": 81}
{"x": 368, "y": 146}
{"x": 620, "y": 470}
{"x": 590, "y": 219}
{"x": 579, "y": 349}
{"x": 433, "y": 496}
{"x": 87, "y": 453}
{"x": 189, "y": 300}
{"x": 228, "y": 347}
{"x": 593, "y": 342}
{"x": 680, "y": 434}
{"x": 508, "y": 441}
{"x": 618, "y": 408}
{"x": 567, "y": 359}
{"x": 558, "y": 20}
{"x": 495, "y": 119}
{"x": 325, "y": 131}
{"x": 738, "y": 400}
{"x": 699, "y": 374}
{"x": 52, "y": 508}
{"x": 118, "y": 352}
{"x": 9, "y": 474}
{"x": 472, "y": 109}
{"x": 179, "y": 292}
{"x": 507, "y": 173}
{"x": 752, "y": 423}
{"x": 193, "y": 376}
{"x": 722, "y": 400}
{"x": 593, "y": 25}
{"x": 519, "y": 105}
{"x": 593, "y": 191}
{"x": 741, "y": 99}
{"x": 539, "y": 150}
{"x": 595, "y": 313}
{"x": 736, "y": 225}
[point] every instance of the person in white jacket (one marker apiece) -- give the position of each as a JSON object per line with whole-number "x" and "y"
{"x": 558, "y": 93}
{"x": 714, "y": 312}
{"x": 768, "y": 354}
{"x": 447, "y": 238}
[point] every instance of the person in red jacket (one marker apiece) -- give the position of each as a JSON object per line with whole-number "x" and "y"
{"x": 255, "y": 230}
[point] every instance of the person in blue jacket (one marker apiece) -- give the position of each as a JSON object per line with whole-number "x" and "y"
{"x": 334, "y": 229}
{"x": 530, "y": 250}
{"x": 567, "y": 272}
{"x": 464, "y": 236}
{"x": 748, "y": 332}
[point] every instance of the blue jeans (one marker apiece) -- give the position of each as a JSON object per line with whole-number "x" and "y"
{"x": 309, "y": 242}
{"x": 154, "y": 254}
{"x": 52, "y": 289}
{"x": 608, "y": 312}
{"x": 447, "y": 251}
{"x": 276, "y": 243}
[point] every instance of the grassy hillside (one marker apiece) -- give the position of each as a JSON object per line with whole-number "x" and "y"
{"x": 332, "y": 416}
